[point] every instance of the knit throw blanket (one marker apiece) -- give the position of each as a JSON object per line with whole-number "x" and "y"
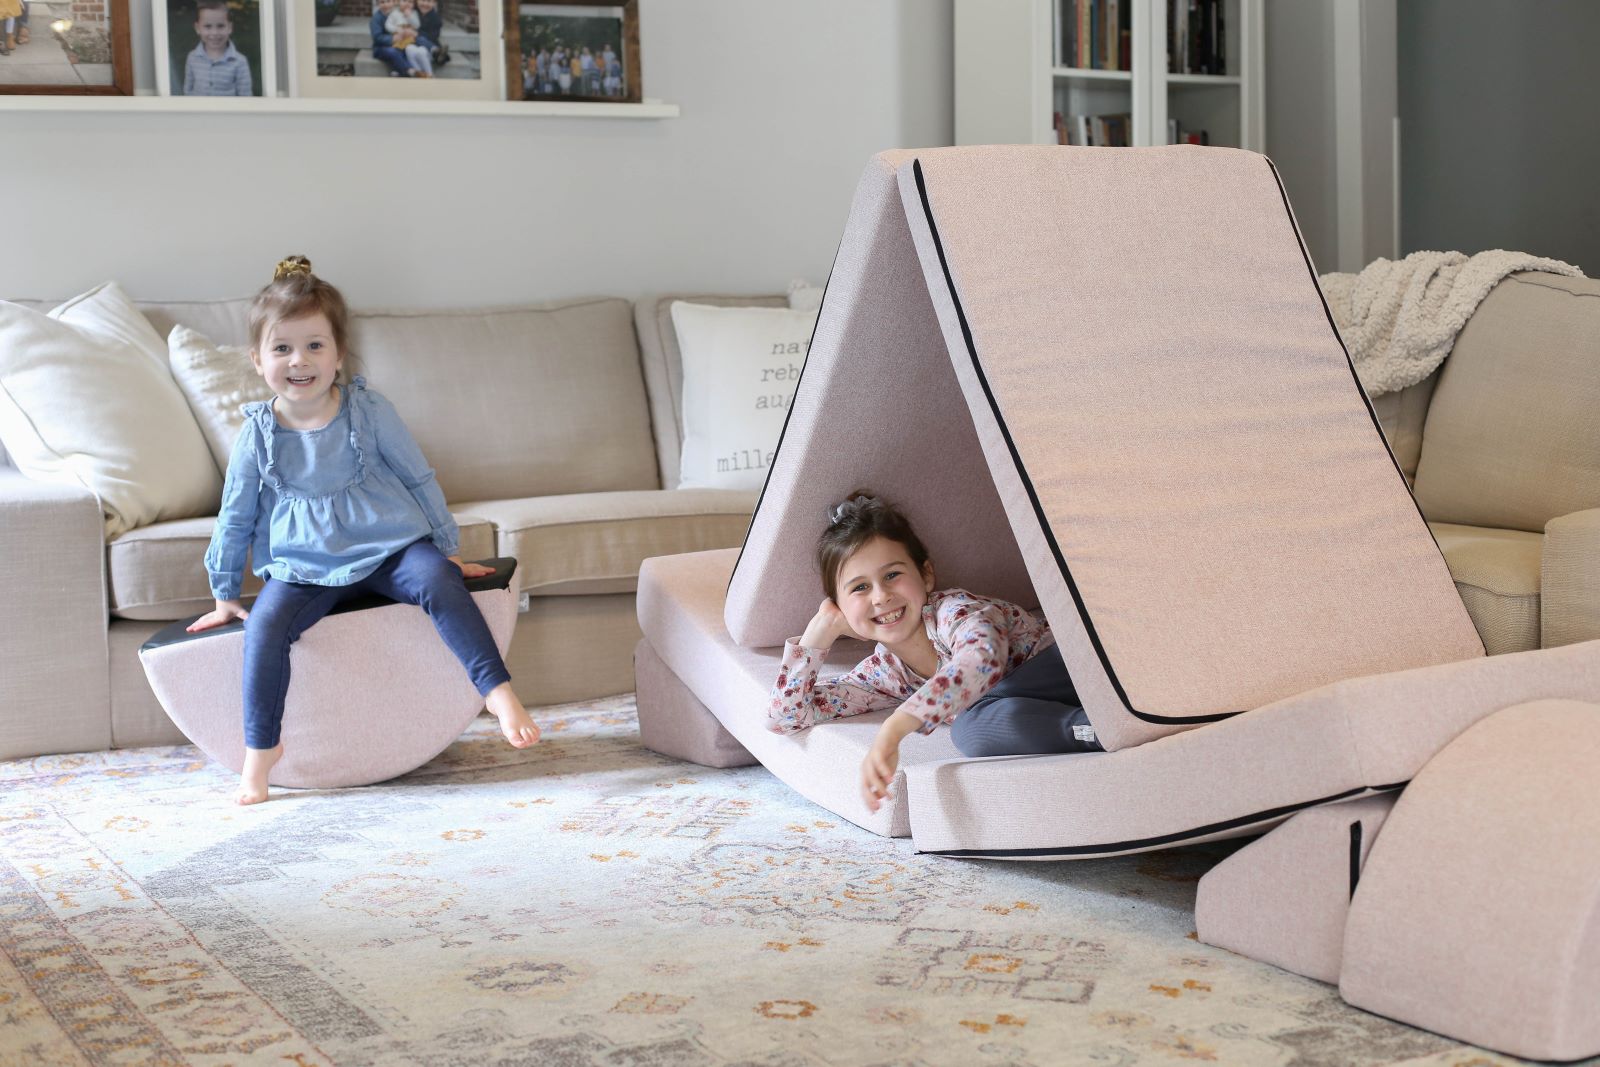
{"x": 1399, "y": 319}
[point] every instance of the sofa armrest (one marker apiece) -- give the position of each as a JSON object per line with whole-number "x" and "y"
{"x": 1569, "y": 579}
{"x": 54, "y": 687}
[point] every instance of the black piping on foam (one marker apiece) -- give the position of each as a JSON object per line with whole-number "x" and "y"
{"x": 1355, "y": 856}
{"x": 1033, "y": 496}
{"x": 1143, "y": 843}
{"x": 1361, "y": 391}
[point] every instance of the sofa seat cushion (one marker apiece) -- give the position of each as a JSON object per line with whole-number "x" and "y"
{"x": 1497, "y": 574}
{"x": 591, "y": 543}
{"x": 157, "y": 572}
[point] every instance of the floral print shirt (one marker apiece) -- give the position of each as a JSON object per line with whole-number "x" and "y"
{"x": 978, "y": 640}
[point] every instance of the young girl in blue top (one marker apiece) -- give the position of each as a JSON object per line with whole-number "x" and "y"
{"x": 333, "y": 499}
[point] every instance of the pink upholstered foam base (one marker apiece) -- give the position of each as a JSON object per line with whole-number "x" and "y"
{"x": 372, "y": 693}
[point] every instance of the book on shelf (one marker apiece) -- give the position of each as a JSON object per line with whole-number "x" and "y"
{"x": 1177, "y": 134}
{"x": 1197, "y": 37}
{"x": 1097, "y": 34}
{"x": 1114, "y": 131}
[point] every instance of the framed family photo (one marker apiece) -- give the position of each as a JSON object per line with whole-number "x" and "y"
{"x": 215, "y": 48}
{"x": 65, "y": 47}
{"x": 562, "y": 50}
{"x": 396, "y": 49}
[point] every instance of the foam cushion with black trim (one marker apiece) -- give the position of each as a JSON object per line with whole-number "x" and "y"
{"x": 1234, "y": 777}
{"x": 1125, "y": 355}
{"x": 373, "y": 690}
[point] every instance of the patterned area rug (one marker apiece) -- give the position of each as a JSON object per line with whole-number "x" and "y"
{"x": 591, "y": 903}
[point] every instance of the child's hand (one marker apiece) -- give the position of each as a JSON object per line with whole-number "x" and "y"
{"x": 225, "y": 612}
{"x": 471, "y": 570}
{"x": 883, "y": 758}
{"x": 826, "y": 627}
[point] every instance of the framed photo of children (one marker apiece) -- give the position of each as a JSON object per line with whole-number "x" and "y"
{"x": 562, "y": 50}
{"x": 396, "y": 49}
{"x": 65, "y": 47}
{"x": 215, "y": 48}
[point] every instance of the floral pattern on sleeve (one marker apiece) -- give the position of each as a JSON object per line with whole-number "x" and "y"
{"x": 978, "y": 641}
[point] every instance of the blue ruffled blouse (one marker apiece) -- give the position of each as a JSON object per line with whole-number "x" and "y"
{"x": 324, "y": 506}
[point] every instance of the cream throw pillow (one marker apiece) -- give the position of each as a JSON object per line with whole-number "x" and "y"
{"x": 740, "y": 368}
{"x": 216, "y": 380}
{"x": 86, "y": 399}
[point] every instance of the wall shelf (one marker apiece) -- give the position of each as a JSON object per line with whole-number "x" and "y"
{"x": 195, "y": 105}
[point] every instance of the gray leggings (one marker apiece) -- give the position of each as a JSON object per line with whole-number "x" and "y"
{"x": 1031, "y": 710}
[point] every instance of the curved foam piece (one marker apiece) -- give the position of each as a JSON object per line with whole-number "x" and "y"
{"x": 1149, "y": 375}
{"x": 1478, "y": 914}
{"x": 373, "y": 691}
{"x": 1234, "y": 777}
{"x": 1283, "y": 899}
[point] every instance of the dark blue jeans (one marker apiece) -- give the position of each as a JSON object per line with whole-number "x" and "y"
{"x": 395, "y": 58}
{"x": 1031, "y": 710}
{"x": 417, "y": 574}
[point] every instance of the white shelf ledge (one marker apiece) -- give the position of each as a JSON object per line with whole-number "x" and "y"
{"x": 1087, "y": 74}
{"x": 650, "y": 109}
{"x": 1203, "y": 79}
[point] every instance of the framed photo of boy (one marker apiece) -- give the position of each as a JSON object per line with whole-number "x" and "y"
{"x": 396, "y": 49}
{"x": 215, "y": 48}
{"x": 565, "y": 50}
{"x": 65, "y": 47}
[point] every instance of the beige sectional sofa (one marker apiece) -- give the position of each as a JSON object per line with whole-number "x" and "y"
{"x": 554, "y": 430}
{"x": 1500, "y": 444}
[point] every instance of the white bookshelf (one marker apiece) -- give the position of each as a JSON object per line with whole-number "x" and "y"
{"x": 1010, "y": 78}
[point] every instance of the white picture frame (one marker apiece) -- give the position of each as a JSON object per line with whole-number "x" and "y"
{"x": 175, "y": 37}
{"x": 305, "y": 80}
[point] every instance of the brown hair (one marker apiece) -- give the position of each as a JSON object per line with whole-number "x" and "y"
{"x": 295, "y": 292}
{"x": 217, "y": 5}
{"x": 852, "y": 524}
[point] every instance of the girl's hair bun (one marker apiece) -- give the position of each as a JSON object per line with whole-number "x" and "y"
{"x": 850, "y": 505}
{"x": 291, "y": 266}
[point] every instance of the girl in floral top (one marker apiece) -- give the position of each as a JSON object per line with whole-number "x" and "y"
{"x": 988, "y": 668}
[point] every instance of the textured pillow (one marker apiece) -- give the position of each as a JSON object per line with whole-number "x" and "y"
{"x": 86, "y": 399}
{"x": 740, "y": 368}
{"x": 215, "y": 379}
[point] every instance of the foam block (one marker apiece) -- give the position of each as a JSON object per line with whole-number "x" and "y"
{"x": 1283, "y": 899}
{"x": 373, "y": 691}
{"x": 1478, "y": 912}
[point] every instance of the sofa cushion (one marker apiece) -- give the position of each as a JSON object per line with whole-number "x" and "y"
{"x": 590, "y": 543}
{"x": 522, "y": 402}
{"x": 1497, "y": 574}
{"x": 1511, "y": 438}
{"x": 663, "y": 369}
{"x": 86, "y": 399}
{"x": 216, "y": 381}
{"x": 158, "y": 573}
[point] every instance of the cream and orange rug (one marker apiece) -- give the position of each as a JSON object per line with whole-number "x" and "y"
{"x": 590, "y": 903}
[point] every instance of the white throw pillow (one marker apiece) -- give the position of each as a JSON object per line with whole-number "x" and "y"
{"x": 215, "y": 379}
{"x": 86, "y": 399}
{"x": 740, "y": 368}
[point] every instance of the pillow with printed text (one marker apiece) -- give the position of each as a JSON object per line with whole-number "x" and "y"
{"x": 740, "y": 369}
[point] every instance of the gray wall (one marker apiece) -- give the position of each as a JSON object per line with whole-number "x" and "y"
{"x": 782, "y": 104}
{"x": 1500, "y": 135}
{"x": 1300, "y": 131}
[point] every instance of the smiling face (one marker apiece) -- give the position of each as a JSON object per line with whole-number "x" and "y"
{"x": 882, "y": 594}
{"x": 299, "y": 360}
{"x": 214, "y": 27}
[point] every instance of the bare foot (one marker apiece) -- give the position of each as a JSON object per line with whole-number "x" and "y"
{"x": 258, "y": 763}
{"x": 514, "y": 721}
